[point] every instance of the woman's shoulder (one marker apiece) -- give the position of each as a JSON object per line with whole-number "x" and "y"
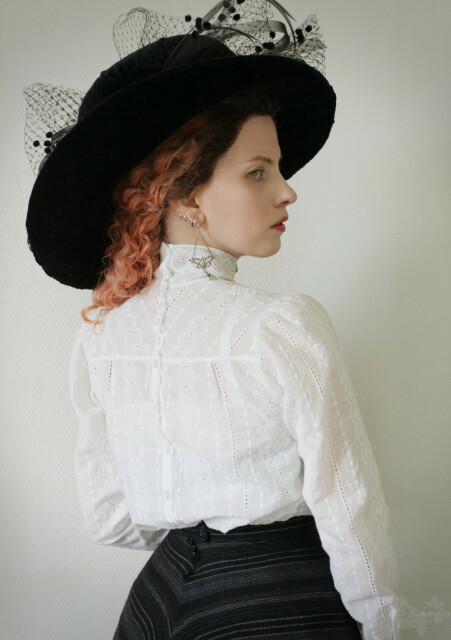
{"x": 297, "y": 320}
{"x": 91, "y": 337}
{"x": 295, "y": 301}
{"x": 297, "y": 307}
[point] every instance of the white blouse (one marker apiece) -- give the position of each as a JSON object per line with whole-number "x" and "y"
{"x": 210, "y": 400}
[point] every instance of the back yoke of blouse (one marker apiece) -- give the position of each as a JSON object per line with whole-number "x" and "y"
{"x": 210, "y": 400}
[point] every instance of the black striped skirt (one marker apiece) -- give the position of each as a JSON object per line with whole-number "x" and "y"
{"x": 255, "y": 581}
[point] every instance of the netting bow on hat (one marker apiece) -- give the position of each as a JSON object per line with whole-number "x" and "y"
{"x": 248, "y": 28}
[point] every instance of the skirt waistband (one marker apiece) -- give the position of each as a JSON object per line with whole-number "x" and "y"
{"x": 296, "y": 528}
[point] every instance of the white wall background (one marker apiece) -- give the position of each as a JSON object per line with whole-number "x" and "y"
{"x": 369, "y": 236}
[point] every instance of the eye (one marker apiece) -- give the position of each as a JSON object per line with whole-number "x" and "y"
{"x": 254, "y": 171}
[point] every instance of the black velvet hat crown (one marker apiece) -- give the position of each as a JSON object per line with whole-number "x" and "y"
{"x": 83, "y": 144}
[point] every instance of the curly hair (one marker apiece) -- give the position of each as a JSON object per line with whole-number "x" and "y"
{"x": 182, "y": 162}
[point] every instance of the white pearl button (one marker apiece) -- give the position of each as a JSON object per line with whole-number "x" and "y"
{"x": 168, "y": 495}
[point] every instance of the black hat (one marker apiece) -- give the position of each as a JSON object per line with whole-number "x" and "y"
{"x": 83, "y": 144}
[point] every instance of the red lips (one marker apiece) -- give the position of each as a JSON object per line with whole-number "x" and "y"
{"x": 284, "y": 219}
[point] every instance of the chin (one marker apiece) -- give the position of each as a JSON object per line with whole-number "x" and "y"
{"x": 269, "y": 250}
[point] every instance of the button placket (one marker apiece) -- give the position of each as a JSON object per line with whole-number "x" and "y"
{"x": 155, "y": 388}
{"x": 167, "y": 469}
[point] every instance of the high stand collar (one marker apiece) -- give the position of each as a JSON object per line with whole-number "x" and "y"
{"x": 176, "y": 257}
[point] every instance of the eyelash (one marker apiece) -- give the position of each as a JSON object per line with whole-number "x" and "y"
{"x": 255, "y": 171}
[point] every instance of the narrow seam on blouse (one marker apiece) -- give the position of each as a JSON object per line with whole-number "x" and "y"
{"x": 229, "y": 417}
{"x": 304, "y": 357}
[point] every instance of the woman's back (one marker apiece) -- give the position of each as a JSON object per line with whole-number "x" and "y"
{"x": 193, "y": 405}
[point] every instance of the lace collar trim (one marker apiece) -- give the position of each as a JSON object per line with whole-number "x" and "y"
{"x": 177, "y": 257}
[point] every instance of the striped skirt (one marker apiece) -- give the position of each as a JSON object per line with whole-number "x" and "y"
{"x": 255, "y": 581}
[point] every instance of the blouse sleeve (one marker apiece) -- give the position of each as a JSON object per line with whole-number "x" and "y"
{"x": 341, "y": 484}
{"x": 103, "y": 505}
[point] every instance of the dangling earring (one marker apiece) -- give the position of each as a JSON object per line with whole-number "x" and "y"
{"x": 204, "y": 261}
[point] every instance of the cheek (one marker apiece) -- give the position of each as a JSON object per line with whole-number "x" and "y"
{"x": 238, "y": 200}
{"x": 231, "y": 195}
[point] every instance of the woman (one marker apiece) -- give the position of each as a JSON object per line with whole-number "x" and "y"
{"x": 219, "y": 430}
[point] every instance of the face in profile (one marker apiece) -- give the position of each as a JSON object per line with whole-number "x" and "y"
{"x": 245, "y": 196}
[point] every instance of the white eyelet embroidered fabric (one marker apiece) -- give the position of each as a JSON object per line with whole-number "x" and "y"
{"x": 222, "y": 266}
{"x": 209, "y": 400}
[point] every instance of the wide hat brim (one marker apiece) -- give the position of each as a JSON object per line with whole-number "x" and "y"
{"x": 71, "y": 206}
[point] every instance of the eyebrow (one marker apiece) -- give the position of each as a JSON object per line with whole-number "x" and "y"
{"x": 264, "y": 159}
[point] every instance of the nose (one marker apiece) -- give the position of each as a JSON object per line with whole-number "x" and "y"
{"x": 289, "y": 194}
{"x": 294, "y": 195}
